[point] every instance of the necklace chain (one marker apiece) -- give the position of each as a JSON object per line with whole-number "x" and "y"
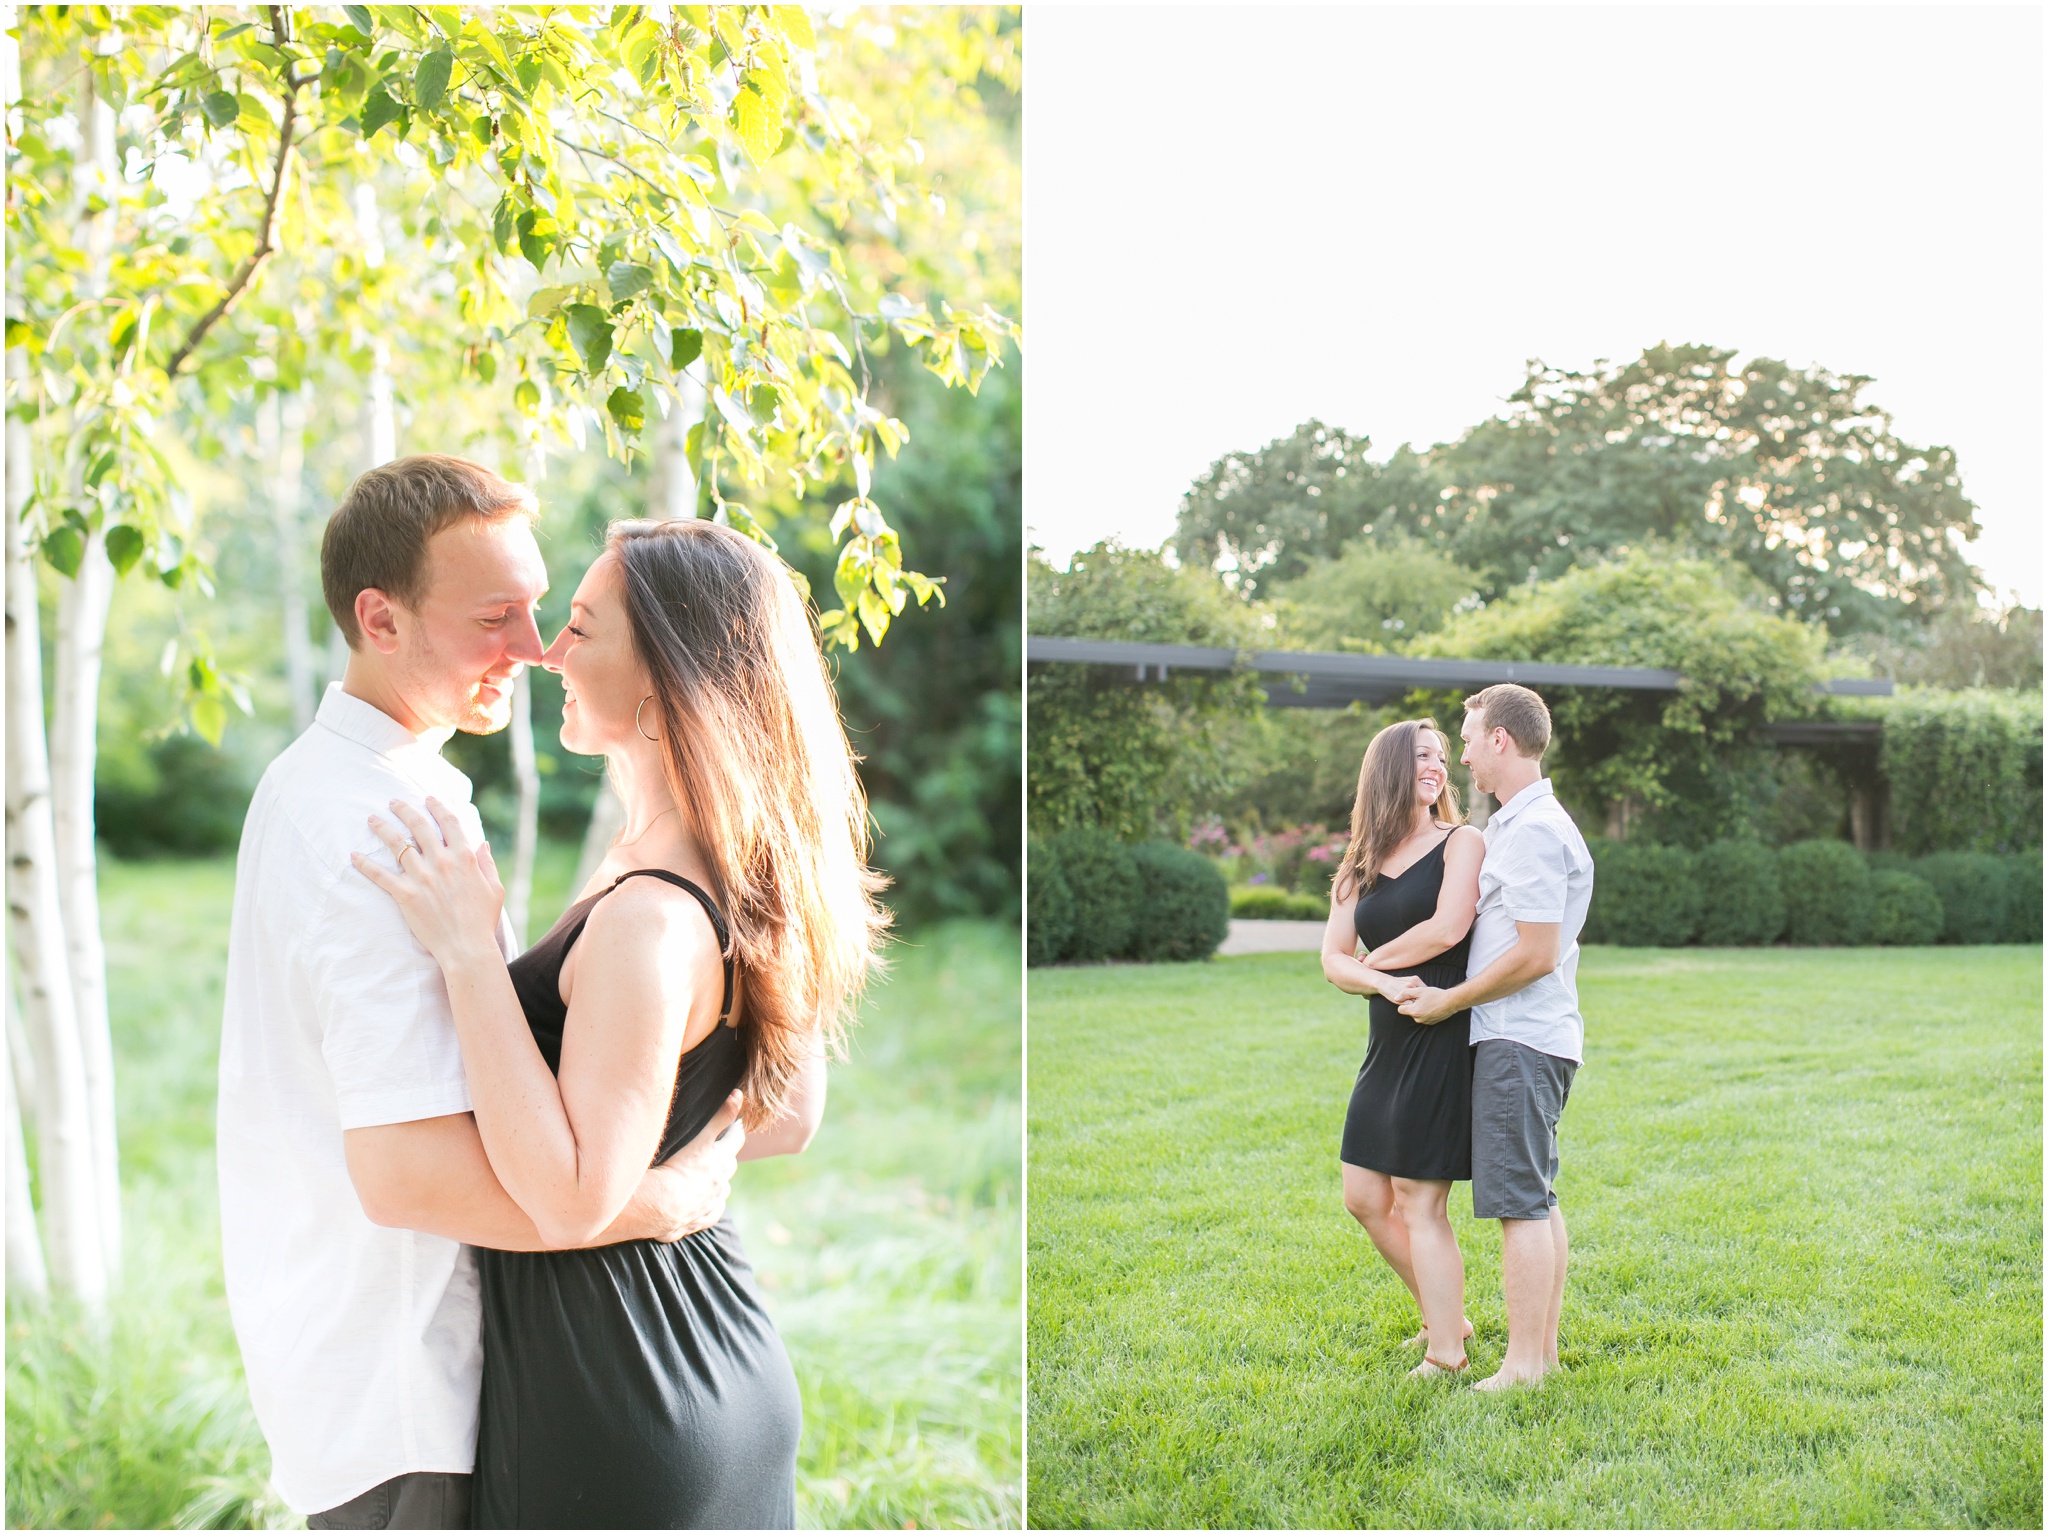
{"x": 629, "y": 842}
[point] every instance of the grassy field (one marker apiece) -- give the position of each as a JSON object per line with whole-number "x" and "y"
{"x": 1804, "y": 1190}
{"x": 889, "y": 1253}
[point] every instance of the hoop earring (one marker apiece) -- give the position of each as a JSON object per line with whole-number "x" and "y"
{"x": 640, "y": 727}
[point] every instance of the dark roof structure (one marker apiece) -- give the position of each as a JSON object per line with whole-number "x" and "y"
{"x": 1314, "y": 679}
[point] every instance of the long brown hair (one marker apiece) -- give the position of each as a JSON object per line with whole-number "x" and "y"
{"x": 764, "y": 781}
{"x": 1383, "y": 814}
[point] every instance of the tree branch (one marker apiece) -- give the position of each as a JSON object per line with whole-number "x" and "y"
{"x": 266, "y": 247}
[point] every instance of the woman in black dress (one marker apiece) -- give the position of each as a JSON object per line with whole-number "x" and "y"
{"x": 1406, "y": 892}
{"x": 713, "y": 957}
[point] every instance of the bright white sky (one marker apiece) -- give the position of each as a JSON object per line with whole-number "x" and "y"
{"x": 1240, "y": 218}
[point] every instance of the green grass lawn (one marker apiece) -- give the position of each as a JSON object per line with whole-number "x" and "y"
{"x": 1804, "y": 1190}
{"x": 890, "y": 1252}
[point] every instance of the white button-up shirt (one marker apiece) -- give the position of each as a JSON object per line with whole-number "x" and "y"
{"x": 362, "y": 1344}
{"x": 1537, "y": 869}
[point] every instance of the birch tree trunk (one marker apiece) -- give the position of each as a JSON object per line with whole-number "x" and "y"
{"x": 63, "y": 1111}
{"x": 281, "y": 443}
{"x": 673, "y": 494}
{"x": 27, "y": 1276}
{"x": 82, "y": 608}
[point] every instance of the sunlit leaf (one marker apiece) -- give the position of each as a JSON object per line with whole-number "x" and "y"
{"x": 627, "y": 279}
{"x": 628, "y": 408}
{"x": 430, "y": 81}
{"x": 64, "y": 548}
{"x": 590, "y": 334}
{"x": 124, "y": 547}
{"x": 685, "y": 347}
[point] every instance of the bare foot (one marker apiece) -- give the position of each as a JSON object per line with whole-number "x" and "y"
{"x": 1503, "y": 1380}
{"x": 1437, "y": 1369}
{"x": 1421, "y": 1339}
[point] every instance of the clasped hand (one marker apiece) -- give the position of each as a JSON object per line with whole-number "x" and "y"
{"x": 449, "y": 891}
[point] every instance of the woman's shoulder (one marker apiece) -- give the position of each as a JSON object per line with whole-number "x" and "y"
{"x": 1464, "y": 834}
{"x": 648, "y": 904}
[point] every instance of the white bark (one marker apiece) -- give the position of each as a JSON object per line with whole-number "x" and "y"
{"x": 63, "y": 1111}
{"x": 28, "y": 1277}
{"x": 82, "y": 607}
{"x": 281, "y": 442}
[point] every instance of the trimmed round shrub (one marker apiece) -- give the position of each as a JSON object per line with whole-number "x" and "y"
{"x": 1904, "y": 908}
{"x": 2023, "y": 898}
{"x": 1740, "y": 901}
{"x": 1644, "y": 895}
{"x": 1183, "y": 906}
{"x": 1263, "y": 903}
{"x": 1102, "y": 882}
{"x": 1972, "y": 887}
{"x": 1049, "y": 909}
{"x": 1828, "y": 899}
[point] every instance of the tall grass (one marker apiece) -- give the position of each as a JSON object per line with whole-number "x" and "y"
{"x": 889, "y": 1252}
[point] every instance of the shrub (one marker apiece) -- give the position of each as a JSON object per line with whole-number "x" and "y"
{"x": 1644, "y": 895}
{"x": 2023, "y": 898}
{"x": 1828, "y": 899}
{"x": 1905, "y": 908}
{"x": 1184, "y": 910}
{"x": 1050, "y": 911}
{"x": 1740, "y": 899}
{"x": 184, "y": 797}
{"x": 1103, "y": 884}
{"x": 1964, "y": 769}
{"x": 1972, "y": 888}
{"x": 1264, "y": 903}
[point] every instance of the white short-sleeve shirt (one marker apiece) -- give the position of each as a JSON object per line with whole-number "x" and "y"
{"x": 1537, "y": 869}
{"x": 362, "y": 1344}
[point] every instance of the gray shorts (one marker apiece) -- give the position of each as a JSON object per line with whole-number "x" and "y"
{"x": 1517, "y": 1096}
{"x": 416, "y": 1500}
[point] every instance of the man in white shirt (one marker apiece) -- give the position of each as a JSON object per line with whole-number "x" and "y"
{"x": 1528, "y": 1038}
{"x": 351, "y": 1171}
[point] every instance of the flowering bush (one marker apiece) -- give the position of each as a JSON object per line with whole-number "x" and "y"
{"x": 1293, "y": 858}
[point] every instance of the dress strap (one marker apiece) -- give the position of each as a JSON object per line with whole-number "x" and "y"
{"x": 718, "y": 925}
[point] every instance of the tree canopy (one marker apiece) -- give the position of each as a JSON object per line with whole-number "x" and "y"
{"x": 1790, "y": 472}
{"x": 604, "y": 202}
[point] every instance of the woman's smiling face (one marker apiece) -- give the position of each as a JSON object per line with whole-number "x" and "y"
{"x": 603, "y": 678}
{"x": 1432, "y": 767}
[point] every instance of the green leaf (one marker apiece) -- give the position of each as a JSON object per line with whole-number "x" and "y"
{"x": 430, "y": 81}
{"x": 628, "y": 279}
{"x": 379, "y": 110}
{"x": 505, "y": 224}
{"x": 693, "y": 442}
{"x": 738, "y": 518}
{"x": 528, "y": 71}
{"x": 359, "y": 17}
{"x": 65, "y": 549}
{"x": 124, "y": 547}
{"x": 535, "y": 242}
{"x": 527, "y": 397}
{"x": 99, "y": 468}
{"x": 480, "y": 130}
{"x": 220, "y": 107}
{"x": 210, "y": 714}
{"x": 628, "y": 408}
{"x": 794, "y": 23}
{"x": 840, "y": 628}
{"x": 590, "y": 334}
{"x": 874, "y": 614}
{"x": 764, "y": 401}
{"x": 757, "y": 118}
{"x": 684, "y": 348}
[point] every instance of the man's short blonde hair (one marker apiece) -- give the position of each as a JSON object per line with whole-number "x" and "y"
{"x": 1511, "y": 707}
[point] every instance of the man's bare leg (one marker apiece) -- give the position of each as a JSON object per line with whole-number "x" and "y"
{"x": 1530, "y": 1277}
{"x": 1561, "y": 1245}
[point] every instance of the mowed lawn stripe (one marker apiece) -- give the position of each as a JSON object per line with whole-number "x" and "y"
{"x": 1804, "y": 1189}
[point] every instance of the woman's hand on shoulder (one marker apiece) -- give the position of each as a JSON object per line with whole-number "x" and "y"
{"x": 448, "y": 890}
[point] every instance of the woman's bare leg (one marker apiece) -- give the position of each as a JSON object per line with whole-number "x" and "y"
{"x": 1369, "y": 1196}
{"x": 1436, "y": 1262}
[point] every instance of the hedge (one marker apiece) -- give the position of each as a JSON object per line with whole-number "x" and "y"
{"x": 1740, "y": 899}
{"x": 1811, "y": 893}
{"x": 1184, "y": 912}
{"x": 1905, "y": 908}
{"x": 1645, "y": 895}
{"x": 1269, "y": 903}
{"x": 1050, "y": 906}
{"x": 1099, "y": 899}
{"x": 1964, "y": 769}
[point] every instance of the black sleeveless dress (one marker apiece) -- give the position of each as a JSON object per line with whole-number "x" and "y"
{"x": 641, "y": 1385}
{"x": 1411, "y": 1109}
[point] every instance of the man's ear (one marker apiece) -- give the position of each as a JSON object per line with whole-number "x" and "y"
{"x": 377, "y": 617}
